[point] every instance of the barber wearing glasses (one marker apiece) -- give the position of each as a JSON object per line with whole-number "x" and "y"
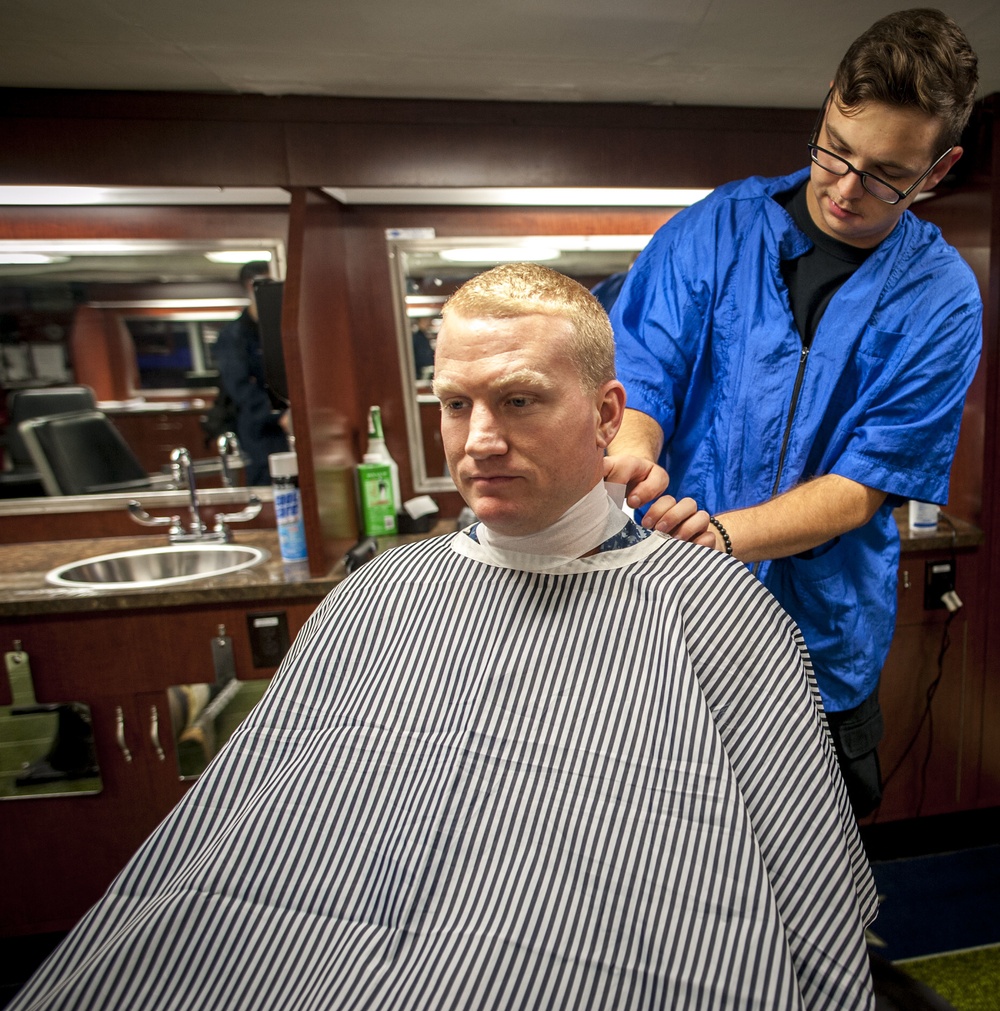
{"x": 796, "y": 354}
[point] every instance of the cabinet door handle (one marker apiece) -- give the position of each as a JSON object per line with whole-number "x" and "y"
{"x": 154, "y": 732}
{"x": 120, "y": 733}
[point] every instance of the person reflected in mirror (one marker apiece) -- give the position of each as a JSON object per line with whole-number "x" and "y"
{"x": 262, "y": 425}
{"x": 797, "y": 353}
{"x": 423, "y": 332}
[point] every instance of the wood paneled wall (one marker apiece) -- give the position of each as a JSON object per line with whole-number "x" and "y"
{"x": 320, "y": 356}
{"x": 989, "y": 772}
{"x": 157, "y": 139}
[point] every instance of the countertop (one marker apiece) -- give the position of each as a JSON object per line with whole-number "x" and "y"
{"x": 951, "y": 533}
{"x": 23, "y": 589}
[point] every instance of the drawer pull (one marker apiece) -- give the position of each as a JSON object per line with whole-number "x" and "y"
{"x": 120, "y": 733}
{"x": 154, "y": 732}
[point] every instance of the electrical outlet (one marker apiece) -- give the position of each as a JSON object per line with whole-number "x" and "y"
{"x": 268, "y": 637}
{"x": 939, "y": 579}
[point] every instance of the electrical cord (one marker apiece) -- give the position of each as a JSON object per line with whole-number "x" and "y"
{"x": 953, "y": 604}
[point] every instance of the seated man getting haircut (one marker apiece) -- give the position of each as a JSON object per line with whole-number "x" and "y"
{"x": 553, "y": 760}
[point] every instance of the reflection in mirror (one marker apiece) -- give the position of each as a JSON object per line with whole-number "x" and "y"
{"x": 174, "y": 349}
{"x": 426, "y": 271}
{"x": 136, "y": 320}
{"x": 46, "y": 749}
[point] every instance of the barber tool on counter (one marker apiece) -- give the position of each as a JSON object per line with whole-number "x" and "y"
{"x": 378, "y": 477}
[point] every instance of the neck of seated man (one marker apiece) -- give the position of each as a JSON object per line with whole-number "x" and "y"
{"x": 579, "y": 532}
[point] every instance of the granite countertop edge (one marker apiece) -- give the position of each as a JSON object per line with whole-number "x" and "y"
{"x": 24, "y": 591}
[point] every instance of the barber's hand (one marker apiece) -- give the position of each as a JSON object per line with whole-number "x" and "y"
{"x": 643, "y": 479}
{"x": 681, "y": 519}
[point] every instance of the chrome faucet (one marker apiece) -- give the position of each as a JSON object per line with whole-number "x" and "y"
{"x": 227, "y": 446}
{"x": 182, "y": 469}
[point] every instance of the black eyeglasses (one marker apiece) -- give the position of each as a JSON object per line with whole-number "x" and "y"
{"x": 878, "y": 188}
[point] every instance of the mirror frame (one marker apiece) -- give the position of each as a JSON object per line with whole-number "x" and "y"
{"x": 398, "y": 247}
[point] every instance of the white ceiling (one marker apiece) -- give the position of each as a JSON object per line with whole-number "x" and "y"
{"x": 689, "y": 52}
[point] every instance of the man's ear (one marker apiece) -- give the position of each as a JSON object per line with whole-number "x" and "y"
{"x": 610, "y": 410}
{"x": 942, "y": 169}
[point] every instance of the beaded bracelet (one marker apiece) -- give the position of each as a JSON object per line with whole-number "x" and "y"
{"x": 722, "y": 530}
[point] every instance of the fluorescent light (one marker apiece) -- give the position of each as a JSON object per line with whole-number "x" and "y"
{"x": 141, "y": 195}
{"x": 40, "y": 195}
{"x": 89, "y": 247}
{"x": 218, "y": 306}
{"x": 520, "y": 196}
{"x": 32, "y": 258}
{"x": 499, "y": 254}
{"x": 238, "y": 255}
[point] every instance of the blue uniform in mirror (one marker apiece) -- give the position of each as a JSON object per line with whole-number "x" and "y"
{"x": 240, "y": 360}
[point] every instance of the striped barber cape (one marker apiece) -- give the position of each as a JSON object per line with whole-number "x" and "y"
{"x": 603, "y": 785}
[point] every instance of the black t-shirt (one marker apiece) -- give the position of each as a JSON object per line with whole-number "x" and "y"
{"x": 814, "y": 278}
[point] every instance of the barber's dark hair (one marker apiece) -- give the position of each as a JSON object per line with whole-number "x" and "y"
{"x": 916, "y": 58}
{"x": 255, "y": 268}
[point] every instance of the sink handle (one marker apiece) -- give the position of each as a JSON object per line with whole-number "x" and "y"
{"x": 140, "y": 515}
{"x": 252, "y": 510}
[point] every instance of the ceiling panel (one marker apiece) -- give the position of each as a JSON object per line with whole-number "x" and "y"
{"x": 692, "y": 52}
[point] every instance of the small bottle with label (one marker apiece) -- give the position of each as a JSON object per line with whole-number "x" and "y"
{"x": 923, "y": 517}
{"x": 378, "y": 508}
{"x": 379, "y": 451}
{"x": 284, "y": 468}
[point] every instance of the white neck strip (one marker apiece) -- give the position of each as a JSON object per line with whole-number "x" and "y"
{"x": 585, "y": 525}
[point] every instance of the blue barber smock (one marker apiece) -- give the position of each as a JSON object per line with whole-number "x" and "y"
{"x": 707, "y": 347}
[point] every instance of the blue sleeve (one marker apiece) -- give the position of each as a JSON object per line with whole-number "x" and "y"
{"x": 905, "y": 440}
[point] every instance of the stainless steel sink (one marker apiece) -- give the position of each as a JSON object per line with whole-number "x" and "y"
{"x": 164, "y": 566}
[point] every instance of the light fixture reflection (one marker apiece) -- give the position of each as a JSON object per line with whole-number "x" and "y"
{"x": 9, "y": 259}
{"x": 499, "y": 254}
{"x": 238, "y": 255}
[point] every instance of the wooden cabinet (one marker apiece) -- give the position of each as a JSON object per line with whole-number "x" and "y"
{"x": 62, "y": 852}
{"x": 931, "y": 694}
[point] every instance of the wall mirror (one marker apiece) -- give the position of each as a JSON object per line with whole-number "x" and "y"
{"x": 425, "y": 271}
{"x": 164, "y": 300}
{"x": 172, "y": 298}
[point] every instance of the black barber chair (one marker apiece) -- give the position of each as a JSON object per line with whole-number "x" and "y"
{"x": 23, "y": 480}
{"x": 84, "y": 454}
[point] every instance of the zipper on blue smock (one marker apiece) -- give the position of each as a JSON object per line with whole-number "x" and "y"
{"x": 796, "y": 390}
